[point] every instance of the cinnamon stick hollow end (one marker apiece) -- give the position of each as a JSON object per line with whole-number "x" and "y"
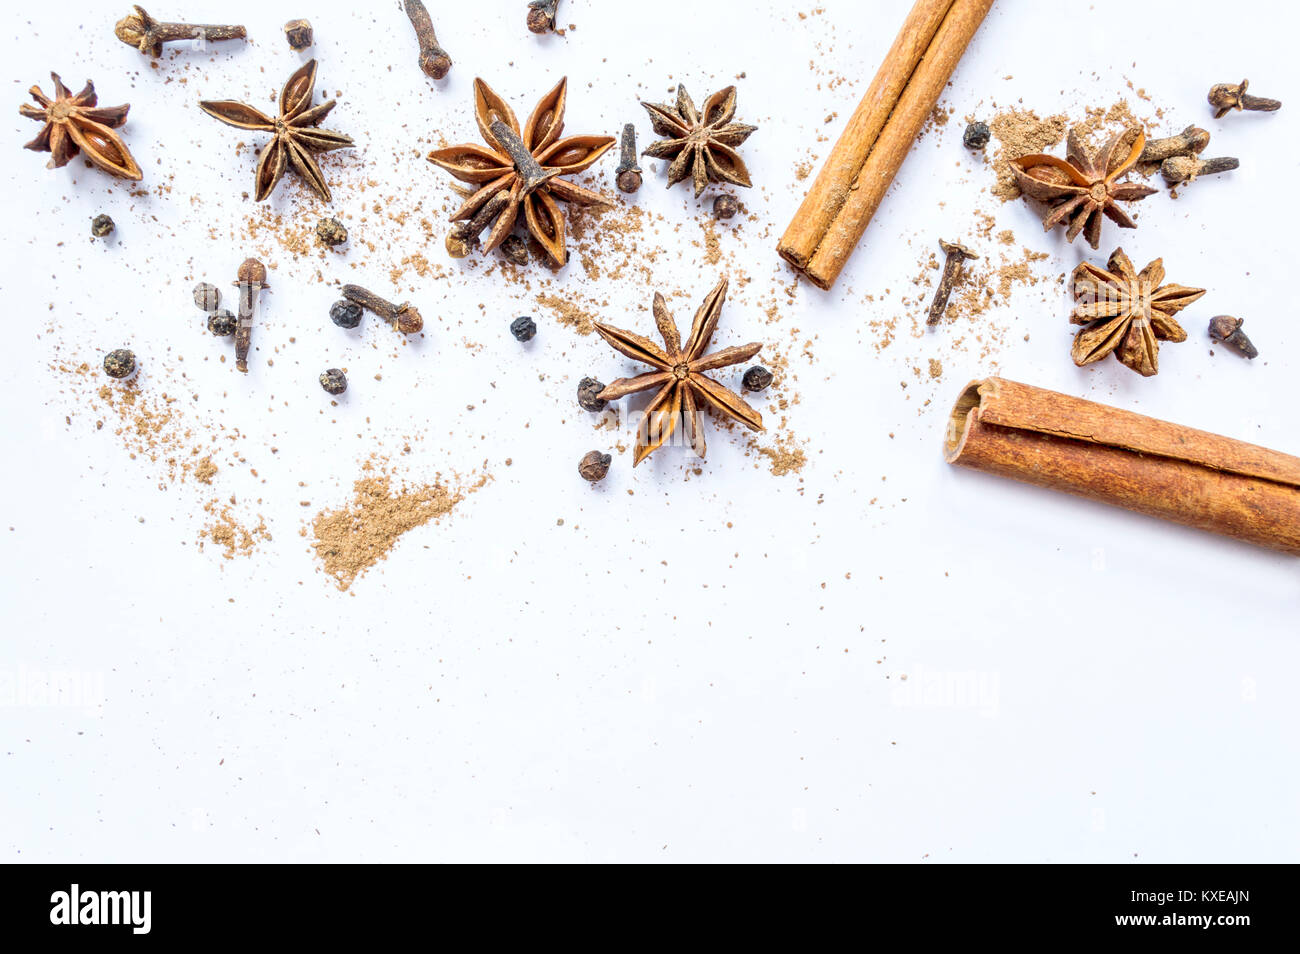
{"x": 1154, "y": 467}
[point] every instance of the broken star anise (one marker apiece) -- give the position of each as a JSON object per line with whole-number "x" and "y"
{"x": 75, "y": 124}
{"x": 679, "y": 376}
{"x": 1126, "y": 312}
{"x": 521, "y": 169}
{"x": 1083, "y": 186}
{"x": 296, "y": 138}
{"x": 700, "y": 142}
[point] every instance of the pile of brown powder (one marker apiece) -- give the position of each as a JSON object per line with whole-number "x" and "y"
{"x": 1019, "y": 133}
{"x": 354, "y": 538}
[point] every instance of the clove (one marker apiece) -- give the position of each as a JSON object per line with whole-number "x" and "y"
{"x": 541, "y": 15}
{"x": 404, "y": 317}
{"x": 433, "y": 58}
{"x": 956, "y": 254}
{"x": 1189, "y": 142}
{"x": 1225, "y": 97}
{"x": 527, "y": 168}
{"x": 250, "y": 279}
{"x": 484, "y": 217}
{"x": 628, "y": 174}
{"x": 148, "y": 35}
{"x": 1178, "y": 169}
{"x": 1227, "y": 329}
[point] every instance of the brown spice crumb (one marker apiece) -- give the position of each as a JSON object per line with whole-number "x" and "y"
{"x": 205, "y": 470}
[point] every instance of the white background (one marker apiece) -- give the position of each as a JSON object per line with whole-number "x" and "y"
{"x": 709, "y": 667}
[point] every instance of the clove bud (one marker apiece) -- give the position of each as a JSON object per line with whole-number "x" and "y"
{"x": 433, "y": 58}
{"x": 1227, "y": 329}
{"x": 956, "y": 254}
{"x": 1225, "y": 97}
{"x": 250, "y": 279}
{"x": 1178, "y": 169}
{"x": 541, "y": 15}
{"x": 148, "y": 35}
{"x": 404, "y": 317}
{"x": 1189, "y": 142}
{"x": 628, "y": 174}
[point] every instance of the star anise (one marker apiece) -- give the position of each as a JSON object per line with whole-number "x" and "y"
{"x": 683, "y": 387}
{"x": 1082, "y": 187}
{"x": 699, "y": 141}
{"x": 73, "y": 124}
{"x": 1127, "y": 312}
{"x": 522, "y": 169}
{"x": 297, "y": 137}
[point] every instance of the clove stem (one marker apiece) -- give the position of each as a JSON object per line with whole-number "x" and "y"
{"x": 628, "y": 174}
{"x": 148, "y": 35}
{"x": 433, "y": 58}
{"x": 404, "y": 317}
{"x": 956, "y": 254}
{"x": 527, "y": 168}
{"x": 251, "y": 279}
{"x": 1189, "y": 142}
{"x": 1185, "y": 169}
{"x": 1225, "y": 97}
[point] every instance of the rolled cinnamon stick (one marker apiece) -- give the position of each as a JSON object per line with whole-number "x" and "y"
{"x": 1154, "y": 467}
{"x": 831, "y": 187}
{"x": 819, "y": 240}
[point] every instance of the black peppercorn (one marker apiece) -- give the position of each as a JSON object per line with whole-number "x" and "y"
{"x": 298, "y": 33}
{"x": 345, "y": 314}
{"x": 515, "y": 250}
{"x": 588, "y": 388}
{"x": 334, "y": 381}
{"x": 976, "y": 136}
{"x": 102, "y": 226}
{"x": 523, "y": 328}
{"x": 207, "y": 297}
{"x": 756, "y": 378}
{"x": 725, "y": 206}
{"x": 594, "y": 466}
{"x": 222, "y": 324}
{"x": 119, "y": 363}
{"x": 331, "y": 232}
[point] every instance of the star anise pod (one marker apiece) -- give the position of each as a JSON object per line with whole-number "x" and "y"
{"x": 74, "y": 124}
{"x": 682, "y": 386}
{"x": 700, "y": 142}
{"x": 1126, "y": 312}
{"x": 522, "y": 169}
{"x": 1083, "y": 186}
{"x": 296, "y": 138}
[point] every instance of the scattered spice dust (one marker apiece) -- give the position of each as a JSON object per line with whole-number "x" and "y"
{"x": 226, "y": 532}
{"x": 352, "y": 539}
{"x": 785, "y": 458}
{"x": 568, "y": 314}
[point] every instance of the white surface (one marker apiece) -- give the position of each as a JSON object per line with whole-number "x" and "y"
{"x": 708, "y": 668}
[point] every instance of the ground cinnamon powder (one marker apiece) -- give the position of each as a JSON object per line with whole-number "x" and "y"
{"x": 352, "y": 539}
{"x": 1020, "y": 133}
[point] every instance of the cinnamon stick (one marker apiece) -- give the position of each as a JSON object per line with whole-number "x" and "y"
{"x": 831, "y": 187}
{"x": 824, "y": 232}
{"x": 1154, "y": 467}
